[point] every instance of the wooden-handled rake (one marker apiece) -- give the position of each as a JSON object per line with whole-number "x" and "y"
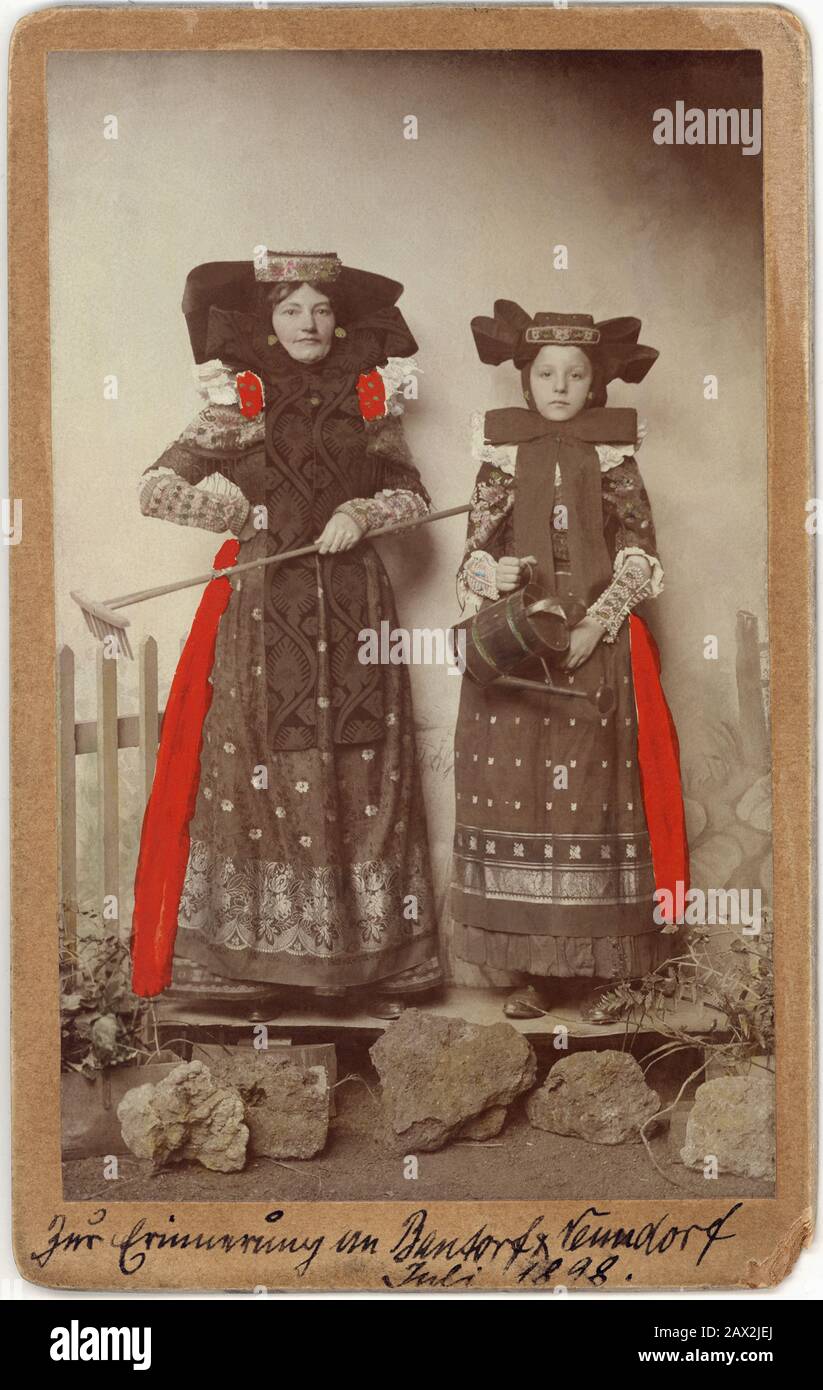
{"x": 104, "y": 622}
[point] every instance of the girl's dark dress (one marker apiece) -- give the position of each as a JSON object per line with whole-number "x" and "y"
{"x": 309, "y": 861}
{"x": 553, "y": 871}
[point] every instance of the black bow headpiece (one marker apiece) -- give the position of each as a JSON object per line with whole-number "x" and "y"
{"x": 513, "y": 336}
{"x": 235, "y": 285}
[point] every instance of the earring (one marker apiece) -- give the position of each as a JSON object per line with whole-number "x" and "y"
{"x": 339, "y": 332}
{"x": 272, "y": 339}
{"x": 589, "y": 397}
{"x": 528, "y": 396}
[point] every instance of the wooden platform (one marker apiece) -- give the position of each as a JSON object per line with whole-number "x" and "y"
{"x": 475, "y": 1005}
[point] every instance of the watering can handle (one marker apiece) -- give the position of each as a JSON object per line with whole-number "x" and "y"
{"x": 571, "y": 609}
{"x": 546, "y": 605}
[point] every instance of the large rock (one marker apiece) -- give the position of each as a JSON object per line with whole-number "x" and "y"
{"x": 485, "y": 1125}
{"x": 732, "y": 1119}
{"x": 444, "y": 1078}
{"x": 286, "y": 1105}
{"x": 599, "y": 1096}
{"x": 187, "y": 1115}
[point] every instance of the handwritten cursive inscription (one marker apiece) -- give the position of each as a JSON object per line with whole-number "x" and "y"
{"x": 586, "y": 1250}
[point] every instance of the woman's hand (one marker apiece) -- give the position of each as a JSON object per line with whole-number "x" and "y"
{"x": 582, "y": 641}
{"x": 340, "y": 532}
{"x": 249, "y": 528}
{"x": 509, "y": 570}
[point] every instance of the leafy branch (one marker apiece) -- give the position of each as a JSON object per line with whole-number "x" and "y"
{"x": 100, "y": 1018}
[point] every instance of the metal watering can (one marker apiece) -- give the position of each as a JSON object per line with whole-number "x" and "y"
{"x": 529, "y": 622}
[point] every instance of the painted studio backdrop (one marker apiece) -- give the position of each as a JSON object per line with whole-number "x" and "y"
{"x": 515, "y": 155}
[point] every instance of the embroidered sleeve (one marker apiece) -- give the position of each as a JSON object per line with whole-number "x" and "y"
{"x": 387, "y": 507}
{"x": 629, "y": 532}
{"x": 627, "y": 519}
{"x": 631, "y": 584}
{"x": 218, "y": 440}
{"x": 399, "y": 494}
{"x": 167, "y": 496}
{"x": 488, "y": 534}
{"x": 195, "y": 481}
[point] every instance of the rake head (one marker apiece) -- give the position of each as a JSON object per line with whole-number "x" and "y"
{"x": 104, "y": 623}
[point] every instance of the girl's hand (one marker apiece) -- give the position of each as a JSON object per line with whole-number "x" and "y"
{"x": 340, "y": 532}
{"x": 509, "y": 570}
{"x": 582, "y": 642}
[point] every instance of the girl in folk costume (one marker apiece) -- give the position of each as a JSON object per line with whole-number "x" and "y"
{"x": 568, "y": 818}
{"x": 285, "y": 834}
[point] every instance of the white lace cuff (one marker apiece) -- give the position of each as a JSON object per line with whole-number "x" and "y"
{"x": 656, "y": 580}
{"x": 479, "y": 574}
{"x": 164, "y": 495}
{"x": 628, "y": 588}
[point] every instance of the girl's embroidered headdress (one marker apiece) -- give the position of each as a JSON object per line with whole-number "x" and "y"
{"x": 512, "y": 335}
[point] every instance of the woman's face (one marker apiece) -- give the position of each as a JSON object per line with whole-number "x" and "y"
{"x": 560, "y": 381}
{"x": 304, "y": 324}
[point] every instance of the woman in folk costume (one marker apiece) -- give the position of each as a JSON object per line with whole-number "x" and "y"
{"x": 295, "y": 852}
{"x": 568, "y": 819}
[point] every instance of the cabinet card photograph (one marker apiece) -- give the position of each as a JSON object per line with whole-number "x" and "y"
{"x": 411, "y": 564}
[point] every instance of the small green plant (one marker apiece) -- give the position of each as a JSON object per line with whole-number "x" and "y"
{"x": 100, "y": 1019}
{"x": 738, "y": 984}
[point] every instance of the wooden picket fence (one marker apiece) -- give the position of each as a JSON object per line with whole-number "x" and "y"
{"x": 105, "y": 736}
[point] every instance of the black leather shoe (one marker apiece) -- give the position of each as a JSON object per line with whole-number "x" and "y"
{"x": 524, "y": 1003}
{"x": 386, "y": 1007}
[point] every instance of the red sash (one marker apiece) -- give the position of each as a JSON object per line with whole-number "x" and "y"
{"x": 658, "y": 755}
{"x": 164, "y": 839}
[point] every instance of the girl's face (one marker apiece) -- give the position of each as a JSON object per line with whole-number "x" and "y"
{"x": 304, "y": 324}
{"x": 560, "y": 380}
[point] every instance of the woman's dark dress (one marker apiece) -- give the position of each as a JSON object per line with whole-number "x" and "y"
{"x": 309, "y": 861}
